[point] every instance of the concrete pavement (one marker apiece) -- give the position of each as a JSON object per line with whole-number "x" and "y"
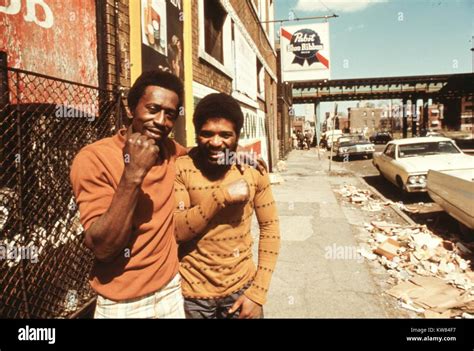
{"x": 319, "y": 274}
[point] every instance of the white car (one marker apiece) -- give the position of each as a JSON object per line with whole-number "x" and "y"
{"x": 406, "y": 162}
{"x": 332, "y": 136}
{"x": 353, "y": 145}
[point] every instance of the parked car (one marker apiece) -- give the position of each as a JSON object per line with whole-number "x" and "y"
{"x": 353, "y": 145}
{"x": 406, "y": 162}
{"x": 380, "y": 137}
{"x": 433, "y": 134}
{"x": 332, "y": 136}
{"x": 454, "y": 192}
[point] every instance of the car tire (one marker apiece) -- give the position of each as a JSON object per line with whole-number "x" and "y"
{"x": 399, "y": 181}
{"x": 466, "y": 233}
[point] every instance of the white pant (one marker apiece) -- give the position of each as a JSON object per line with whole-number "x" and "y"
{"x": 165, "y": 303}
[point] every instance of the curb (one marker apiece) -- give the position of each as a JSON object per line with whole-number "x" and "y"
{"x": 395, "y": 208}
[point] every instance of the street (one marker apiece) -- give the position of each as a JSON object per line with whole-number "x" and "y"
{"x": 423, "y": 209}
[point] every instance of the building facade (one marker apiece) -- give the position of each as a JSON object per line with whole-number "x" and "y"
{"x": 467, "y": 114}
{"x": 364, "y": 119}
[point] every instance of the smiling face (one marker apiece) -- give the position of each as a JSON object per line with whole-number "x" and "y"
{"x": 216, "y": 135}
{"x": 156, "y": 113}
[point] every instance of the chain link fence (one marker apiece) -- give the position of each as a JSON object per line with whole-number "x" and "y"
{"x": 45, "y": 121}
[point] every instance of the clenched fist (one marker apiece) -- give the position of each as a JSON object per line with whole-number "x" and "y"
{"x": 238, "y": 191}
{"x": 140, "y": 154}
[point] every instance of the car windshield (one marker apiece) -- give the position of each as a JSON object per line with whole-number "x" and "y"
{"x": 423, "y": 149}
{"x": 351, "y": 139}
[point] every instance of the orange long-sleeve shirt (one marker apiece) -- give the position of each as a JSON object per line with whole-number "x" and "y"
{"x": 218, "y": 260}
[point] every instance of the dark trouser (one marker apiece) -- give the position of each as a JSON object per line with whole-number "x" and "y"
{"x": 216, "y": 308}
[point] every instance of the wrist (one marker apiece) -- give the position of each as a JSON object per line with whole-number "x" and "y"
{"x": 133, "y": 178}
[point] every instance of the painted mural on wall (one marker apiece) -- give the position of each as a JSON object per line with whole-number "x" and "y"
{"x": 162, "y": 35}
{"x": 53, "y": 37}
{"x": 253, "y": 136}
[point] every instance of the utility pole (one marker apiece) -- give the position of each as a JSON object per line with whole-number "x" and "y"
{"x": 332, "y": 135}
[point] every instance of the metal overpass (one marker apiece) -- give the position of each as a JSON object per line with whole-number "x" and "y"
{"x": 447, "y": 89}
{"x": 438, "y": 87}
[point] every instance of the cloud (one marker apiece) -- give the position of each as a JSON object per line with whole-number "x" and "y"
{"x": 335, "y": 5}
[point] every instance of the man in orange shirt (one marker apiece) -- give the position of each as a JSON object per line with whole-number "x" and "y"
{"x": 124, "y": 189}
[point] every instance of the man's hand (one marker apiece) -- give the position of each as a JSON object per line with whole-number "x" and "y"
{"x": 248, "y": 308}
{"x": 245, "y": 160}
{"x": 140, "y": 155}
{"x": 238, "y": 191}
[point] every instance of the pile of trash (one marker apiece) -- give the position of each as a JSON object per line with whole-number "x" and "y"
{"x": 371, "y": 203}
{"x": 362, "y": 197}
{"x": 431, "y": 275}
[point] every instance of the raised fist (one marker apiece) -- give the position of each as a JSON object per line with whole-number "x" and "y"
{"x": 238, "y": 191}
{"x": 140, "y": 155}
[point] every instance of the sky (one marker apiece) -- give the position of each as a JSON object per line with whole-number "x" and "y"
{"x": 384, "y": 38}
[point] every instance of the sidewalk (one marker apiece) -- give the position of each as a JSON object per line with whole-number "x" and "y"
{"x": 306, "y": 283}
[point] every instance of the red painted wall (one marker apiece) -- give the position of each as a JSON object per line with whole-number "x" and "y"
{"x": 52, "y": 37}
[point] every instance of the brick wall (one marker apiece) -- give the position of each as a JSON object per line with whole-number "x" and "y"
{"x": 204, "y": 73}
{"x": 115, "y": 23}
{"x": 249, "y": 19}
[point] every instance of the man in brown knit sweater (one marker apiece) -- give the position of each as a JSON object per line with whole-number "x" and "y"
{"x": 215, "y": 205}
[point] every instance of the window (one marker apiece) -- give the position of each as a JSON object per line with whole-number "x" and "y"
{"x": 423, "y": 149}
{"x": 214, "y": 18}
{"x": 260, "y": 78}
{"x": 390, "y": 151}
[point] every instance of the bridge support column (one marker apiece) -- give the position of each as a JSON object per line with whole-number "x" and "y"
{"x": 414, "y": 117}
{"x": 426, "y": 116}
{"x": 404, "y": 118}
{"x": 317, "y": 122}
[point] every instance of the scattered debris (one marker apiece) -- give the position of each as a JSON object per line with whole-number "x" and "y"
{"x": 389, "y": 248}
{"x": 367, "y": 254}
{"x": 363, "y": 197}
{"x": 281, "y": 166}
{"x": 430, "y": 272}
{"x": 276, "y": 179}
{"x": 433, "y": 294}
{"x": 430, "y": 275}
{"x": 463, "y": 248}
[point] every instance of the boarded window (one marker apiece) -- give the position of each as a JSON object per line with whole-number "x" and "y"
{"x": 214, "y": 18}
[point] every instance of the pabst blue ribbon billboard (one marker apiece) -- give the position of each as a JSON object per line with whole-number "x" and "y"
{"x": 305, "y": 52}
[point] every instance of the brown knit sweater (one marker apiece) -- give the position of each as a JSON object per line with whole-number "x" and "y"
{"x": 217, "y": 261}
